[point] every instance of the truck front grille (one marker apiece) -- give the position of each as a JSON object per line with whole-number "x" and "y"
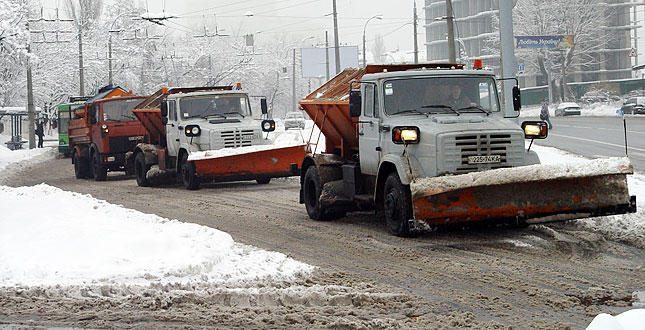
{"x": 457, "y": 148}
{"x": 237, "y": 138}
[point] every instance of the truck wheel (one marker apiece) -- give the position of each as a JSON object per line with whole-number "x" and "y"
{"x": 397, "y": 206}
{"x": 263, "y": 180}
{"x": 188, "y": 175}
{"x": 140, "y": 170}
{"x": 80, "y": 166}
{"x": 99, "y": 171}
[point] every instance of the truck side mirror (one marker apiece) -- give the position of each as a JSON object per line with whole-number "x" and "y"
{"x": 517, "y": 99}
{"x": 164, "y": 109}
{"x": 263, "y": 106}
{"x": 355, "y": 103}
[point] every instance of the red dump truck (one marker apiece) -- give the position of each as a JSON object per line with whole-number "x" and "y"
{"x": 206, "y": 134}
{"x": 102, "y": 131}
{"x": 430, "y": 144}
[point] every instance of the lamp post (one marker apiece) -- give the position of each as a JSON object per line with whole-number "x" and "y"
{"x": 293, "y": 77}
{"x": 110, "y": 46}
{"x": 379, "y": 16}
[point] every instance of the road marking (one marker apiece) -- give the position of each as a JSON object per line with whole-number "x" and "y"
{"x": 601, "y": 128}
{"x": 599, "y": 142}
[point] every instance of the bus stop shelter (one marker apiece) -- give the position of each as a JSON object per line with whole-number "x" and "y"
{"x": 15, "y": 114}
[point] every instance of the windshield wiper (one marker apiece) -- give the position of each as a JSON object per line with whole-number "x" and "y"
{"x": 441, "y": 106}
{"x": 476, "y": 107}
{"x": 129, "y": 117}
{"x": 209, "y": 115}
{"x": 411, "y": 111}
{"x": 233, "y": 113}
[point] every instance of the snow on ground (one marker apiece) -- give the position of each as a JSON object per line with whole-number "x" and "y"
{"x": 89, "y": 241}
{"x": 629, "y": 320}
{"x": 600, "y": 109}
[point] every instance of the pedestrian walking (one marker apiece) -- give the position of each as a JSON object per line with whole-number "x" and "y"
{"x": 544, "y": 113}
{"x": 40, "y": 132}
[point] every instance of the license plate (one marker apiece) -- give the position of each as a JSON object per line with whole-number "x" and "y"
{"x": 135, "y": 138}
{"x": 484, "y": 159}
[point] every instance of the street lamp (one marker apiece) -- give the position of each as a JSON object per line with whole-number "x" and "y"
{"x": 379, "y": 16}
{"x": 293, "y": 80}
{"x": 110, "y": 45}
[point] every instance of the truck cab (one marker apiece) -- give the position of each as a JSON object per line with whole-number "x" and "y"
{"x": 428, "y": 123}
{"x": 209, "y": 120}
{"x": 103, "y": 131}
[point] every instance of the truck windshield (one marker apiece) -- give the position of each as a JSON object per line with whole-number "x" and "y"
{"x": 440, "y": 95}
{"x": 203, "y": 106}
{"x": 119, "y": 110}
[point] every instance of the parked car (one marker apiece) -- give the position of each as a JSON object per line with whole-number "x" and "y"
{"x": 567, "y": 109}
{"x": 294, "y": 120}
{"x": 634, "y": 106}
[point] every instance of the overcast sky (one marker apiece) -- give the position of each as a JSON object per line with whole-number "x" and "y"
{"x": 301, "y": 19}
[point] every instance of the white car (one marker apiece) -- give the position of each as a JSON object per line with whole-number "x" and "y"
{"x": 567, "y": 109}
{"x": 294, "y": 120}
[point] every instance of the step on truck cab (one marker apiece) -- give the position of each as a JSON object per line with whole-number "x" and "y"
{"x": 430, "y": 144}
{"x": 186, "y": 121}
{"x": 103, "y": 130}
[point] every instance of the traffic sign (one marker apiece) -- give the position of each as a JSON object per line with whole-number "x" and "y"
{"x": 520, "y": 68}
{"x": 632, "y": 53}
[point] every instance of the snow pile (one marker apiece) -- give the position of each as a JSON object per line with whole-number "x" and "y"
{"x": 19, "y": 156}
{"x": 520, "y": 174}
{"x": 629, "y": 320}
{"x": 49, "y": 237}
{"x": 591, "y": 110}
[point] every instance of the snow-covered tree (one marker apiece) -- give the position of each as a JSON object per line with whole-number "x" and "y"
{"x": 585, "y": 20}
{"x": 378, "y": 49}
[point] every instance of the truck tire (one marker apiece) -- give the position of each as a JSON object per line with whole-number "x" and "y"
{"x": 81, "y": 166}
{"x": 189, "y": 176}
{"x": 140, "y": 170}
{"x": 98, "y": 170}
{"x": 397, "y": 204}
{"x": 312, "y": 188}
{"x": 263, "y": 180}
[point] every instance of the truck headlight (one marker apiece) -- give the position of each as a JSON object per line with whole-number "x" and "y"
{"x": 192, "y": 130}
{"x": 268, "y": 125}
{"x": 405, "y": 135}
{"x": 535, "y": 129}
{"x": 104, "y": 128}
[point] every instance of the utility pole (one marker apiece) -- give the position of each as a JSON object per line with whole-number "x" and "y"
{"x": 80, "y": 59}
{"x": 326, "y": 56}
{"x": 450, "y": 17}
{"x": 336, "y": 43}
{"x": 293, "y": 82}
{"x": 507, "y": 59}
{"x": 416, "y": 48}
{"x": 31, "y": 109}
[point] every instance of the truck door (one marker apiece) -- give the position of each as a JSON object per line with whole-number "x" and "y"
{"x": 369, "y": 140}
{"x": 172, "y": 129}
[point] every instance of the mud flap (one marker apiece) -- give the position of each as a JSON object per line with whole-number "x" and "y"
{"x": 530, "y": 194}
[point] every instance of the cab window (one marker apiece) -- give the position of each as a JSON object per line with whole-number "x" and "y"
{"x": 172, "y": 110}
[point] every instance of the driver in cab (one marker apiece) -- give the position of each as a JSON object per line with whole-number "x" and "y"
{"x": 457, "y": 100}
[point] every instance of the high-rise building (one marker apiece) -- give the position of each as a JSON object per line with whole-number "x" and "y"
{"x": 475, "y": 25}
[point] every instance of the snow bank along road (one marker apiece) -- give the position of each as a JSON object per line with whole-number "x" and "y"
{"x": 544, "y": 277}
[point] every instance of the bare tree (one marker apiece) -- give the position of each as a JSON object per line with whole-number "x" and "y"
{"x": 85, "y": 13}
{"x": 585, "y": 20}
{"x": 378, "y": 49}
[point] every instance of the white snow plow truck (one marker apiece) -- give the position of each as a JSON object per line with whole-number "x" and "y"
{"x": 430, "y": 144}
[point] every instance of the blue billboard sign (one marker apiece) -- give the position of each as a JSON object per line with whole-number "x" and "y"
{"x": 565, "y": 41}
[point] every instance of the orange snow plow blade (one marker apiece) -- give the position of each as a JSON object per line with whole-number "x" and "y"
{"x": 263, "y": 164}
{"x": 529, "y": 194}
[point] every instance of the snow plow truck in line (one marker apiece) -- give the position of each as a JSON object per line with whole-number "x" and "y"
{"x": 431, "y": 144}
{"x": 184, "y": 125}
